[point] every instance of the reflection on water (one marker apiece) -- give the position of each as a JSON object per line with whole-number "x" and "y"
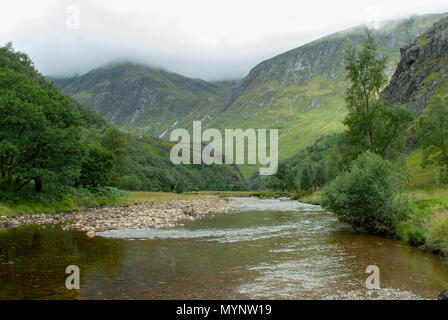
{"x": 292, "y": 251}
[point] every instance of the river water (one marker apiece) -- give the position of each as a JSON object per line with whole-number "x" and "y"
{"x": 263, "y": 249}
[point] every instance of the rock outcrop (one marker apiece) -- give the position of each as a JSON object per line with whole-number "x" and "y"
{"x": 422, "y": 70}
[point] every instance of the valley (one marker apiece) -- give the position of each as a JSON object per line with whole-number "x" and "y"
{"x": 300, "y": 92}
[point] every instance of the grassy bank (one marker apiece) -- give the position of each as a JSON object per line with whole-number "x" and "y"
{"x": 427, "y": 222}
{"x": 84, "y": 199}
{"x": 312, "y": 198}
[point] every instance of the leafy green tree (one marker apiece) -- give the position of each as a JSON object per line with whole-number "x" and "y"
{"x": 39, "y": 137}
{"x": 366, "y": 196}
{"x": 278, "y": 180}
{"x": 285, "y": 179}
{"x": 306, "y": 178}
{"x": 115, "y": 141}
{"x": 96, "y": 167}
{"x": 371, "y": 123}
{"x": 432, "y": 133}
{"x": 320, "y": 175}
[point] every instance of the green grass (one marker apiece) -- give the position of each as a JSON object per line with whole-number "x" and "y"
{"x": 427, "y": 223}
{"x": 431, "y": 77}
{"x": 312, "y": 198}
{"x": 422, "y": 176}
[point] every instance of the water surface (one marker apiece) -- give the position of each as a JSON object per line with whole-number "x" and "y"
{"x": 265, "y": 249}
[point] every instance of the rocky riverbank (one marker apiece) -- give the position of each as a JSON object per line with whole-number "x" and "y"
{"x": 141, "y": 216}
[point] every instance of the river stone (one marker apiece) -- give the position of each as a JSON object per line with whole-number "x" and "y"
{"x": 145, "y": 215}
{"x": 91, "y": 234}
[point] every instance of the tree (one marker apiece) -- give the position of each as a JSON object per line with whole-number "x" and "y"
{"x": 432, "y": 133}
{"x": 320, "y": 175}
{"x": 115, "y": 141}
{"x": 96, "y": 167}
{"x": 306, "y": 178}
{"x": 39, "y": 137}
{"x": 371, "y": 123}
{"x": 365, "y": 196}
{"x": 285, "y": 179}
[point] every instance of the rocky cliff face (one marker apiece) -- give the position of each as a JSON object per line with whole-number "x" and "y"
{"x": 325, "y": 57}
{"x": 422, "y": 70}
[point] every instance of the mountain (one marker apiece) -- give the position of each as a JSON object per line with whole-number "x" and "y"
{"x": 300, "y": 92}
{"x": 48, "y": 136}
{"x": 134, "y": 96}
{"x": 422, "y": 70}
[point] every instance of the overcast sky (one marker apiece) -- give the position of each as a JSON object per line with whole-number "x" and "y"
{"x": 208, "y": 39}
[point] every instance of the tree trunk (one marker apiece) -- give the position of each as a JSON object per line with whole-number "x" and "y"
{"x": 10, "y": 183}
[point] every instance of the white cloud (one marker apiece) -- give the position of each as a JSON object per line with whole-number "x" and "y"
{"x": 210, "y": 39}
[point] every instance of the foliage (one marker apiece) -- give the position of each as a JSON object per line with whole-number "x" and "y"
{"x": 438, "y": 233}
{"x": 96, "y": 167}
{"x": 365, "y": 196}
{"x": 39, "y": 139}
{"x": 285, "y": 179}
{"x": 51, "y": 142}
{"x": 306, "y": 180}
{"x": 309, "y": 169}
{"x": 129, "y": 182}
{"x": 432, "y": 133}
{"x": 371, "y": 123}
{"x": 115, "y": 141}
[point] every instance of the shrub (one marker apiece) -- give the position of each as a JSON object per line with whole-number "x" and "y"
{"x": 365, "y": 196}
{"x": 129, "y": 182}
{"x": 414, "y": 229}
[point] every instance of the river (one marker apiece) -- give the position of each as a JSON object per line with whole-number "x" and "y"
{"x": 262, "y": 249}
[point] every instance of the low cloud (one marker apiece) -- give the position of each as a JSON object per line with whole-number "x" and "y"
{"x": 212, "y": 40}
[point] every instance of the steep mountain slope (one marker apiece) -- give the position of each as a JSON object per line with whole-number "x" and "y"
{"x": 144, "y": 164}
{"x": 135, "y": 96}
{"x": 300, "y": 92}
{"x": 423, "y": 69}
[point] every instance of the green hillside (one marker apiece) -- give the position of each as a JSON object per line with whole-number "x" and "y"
{"x": 300, "y": 92}
{"x": 136, "y": 97}
{"x": 54, "y": 143}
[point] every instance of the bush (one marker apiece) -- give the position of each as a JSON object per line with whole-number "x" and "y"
{"x": 414, "y": 229}
{"x": 365, "y": 197}
{"x": 130, "y": 183}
